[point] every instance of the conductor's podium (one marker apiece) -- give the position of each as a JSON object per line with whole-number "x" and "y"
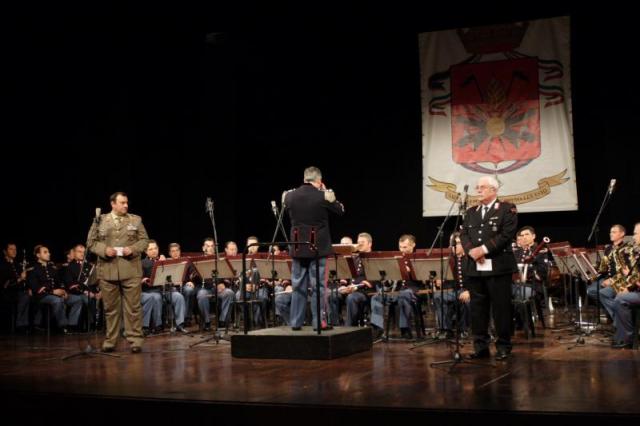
{"x": 284, "y": 343}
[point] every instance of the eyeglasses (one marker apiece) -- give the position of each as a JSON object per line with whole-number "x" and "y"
{"x": 483, "y": 186}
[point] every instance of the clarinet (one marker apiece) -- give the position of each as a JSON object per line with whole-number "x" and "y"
{"x": 24, "y": 269}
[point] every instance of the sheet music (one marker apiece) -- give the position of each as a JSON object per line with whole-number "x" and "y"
{"x": 169, "y": 273}
{"x": 281, "y": 266}
{"x": 374, "y": 265}
{"x": 423, "y": 267}
{"x": 340, "y": 267}
{"x": 205, "y": 268}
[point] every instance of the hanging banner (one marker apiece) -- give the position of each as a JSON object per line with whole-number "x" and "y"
{"x": 497, "y": 101}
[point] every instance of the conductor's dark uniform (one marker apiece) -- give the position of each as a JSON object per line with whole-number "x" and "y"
{"x": 309, "y": 210}
{"x": 492, "y": 227}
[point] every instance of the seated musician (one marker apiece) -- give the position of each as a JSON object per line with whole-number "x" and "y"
{"x": 451, "y": 293}
{"x": 76, "y": 281}
{"x": 46, "y": 289}
{"x": 230, "y": 248}
{"x": 405, "y": 297}
{"x": 629, "y": 295}
{"x": 609, "y": 270}
{"x": 15, "y": 294}
{"x": 204, "y": 295}
{"x": 255, "y": 291}
{"x": 150, "y": 297}
{"x": 537, "y": 269}
{"x": 536, "y": 260}
{"x": 336, "y": 297}
{"x": 356, "y": 299}
{"x": 173, "y": 295}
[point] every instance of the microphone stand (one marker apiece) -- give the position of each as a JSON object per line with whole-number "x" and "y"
{"x": 89, "y": 350}
{"x": 274, "y": 273}
{"x": 438, "y": 238}
{"x": 593, "y": 235}
{"x": 214, "y": 277}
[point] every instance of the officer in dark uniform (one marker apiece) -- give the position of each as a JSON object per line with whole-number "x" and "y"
{"x": 45, "y": 287}
{"x": 309, "y": 207}
{"x": 150, "y": 298}
{"x": 609, "y": 269}
{"x": 13, "y": 279}
{"x": 486, "y": 236}
{"x": 629, "y": 297}
{"x": 356, "y": 298}
{"x": 77, "y": 275}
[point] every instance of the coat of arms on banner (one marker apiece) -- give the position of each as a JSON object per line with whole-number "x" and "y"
{"x": 495, "y": 116}
{"x": 493, "y": 101}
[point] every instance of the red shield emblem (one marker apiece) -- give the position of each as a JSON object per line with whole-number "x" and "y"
{"x": 495, "y": 114}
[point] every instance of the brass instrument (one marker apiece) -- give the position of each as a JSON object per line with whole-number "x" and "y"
{"x": 633, "y": 279}
{"x": 619, "y": 280}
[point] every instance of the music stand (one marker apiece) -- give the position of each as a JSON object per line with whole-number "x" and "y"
{"x": 281, "y": 264}
{"x": 340, "y": 267}
{"x": 276, "y": 267}
{"x": 426, "y": 267}
{"x": 560, "y": 252}
{"x": 168, "y": 272}
{"x": 205, "y": 266}
{"x": 383, "y": 266}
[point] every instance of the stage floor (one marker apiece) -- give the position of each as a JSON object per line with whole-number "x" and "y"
{"x": 543, "y": 376}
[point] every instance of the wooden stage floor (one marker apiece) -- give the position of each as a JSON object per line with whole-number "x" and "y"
{"x": 543, "y": 379}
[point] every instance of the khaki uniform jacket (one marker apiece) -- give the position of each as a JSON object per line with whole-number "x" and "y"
{"x": 129, "y": 232}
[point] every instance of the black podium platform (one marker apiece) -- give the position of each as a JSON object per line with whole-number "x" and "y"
{"x": 284, "y": 343}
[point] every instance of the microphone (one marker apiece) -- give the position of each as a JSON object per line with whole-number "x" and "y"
{"x": 612, "y": 186}
{"x": 209, "y": 205}
{"x": 465, "y": 196}
{"x": 98, "y": 212}
{"x": 274, "y": 208}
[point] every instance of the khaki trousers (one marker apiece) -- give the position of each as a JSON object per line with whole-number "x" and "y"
{"x": 113, "y": 295}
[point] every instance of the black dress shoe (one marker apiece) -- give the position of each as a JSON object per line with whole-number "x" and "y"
{"x": 146, "y": 331}
{"x": 181, "y": 329}
{"x": 622, "y": 345}
{"x": 207, "y": 326}
{"x": 296, "y": 328}
{"x": 479, "y": 355}
{"x": 405, "y": 333}
{"x": 107, "y": 349}
{"x": 136, "y": 349}
{"x": 502, "y": 355}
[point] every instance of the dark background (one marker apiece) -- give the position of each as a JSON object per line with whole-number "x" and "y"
{"x": 172, "y": 106}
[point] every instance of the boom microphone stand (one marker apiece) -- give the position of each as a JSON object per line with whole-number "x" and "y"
{"x": 89, "y": 350}
{"x": 214, "y": 276}
{"x": 593, "y": 235}
{"x": 278, "y": 214}
{"x": 438, "y": 238}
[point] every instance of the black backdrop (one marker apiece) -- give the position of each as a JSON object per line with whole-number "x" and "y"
{"x": 171, "y": 111}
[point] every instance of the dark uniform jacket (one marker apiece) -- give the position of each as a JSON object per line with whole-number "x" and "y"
{"x": 76, "y": 277}
{"x": 10, "y": 275}
{"x": 309, "y": 212}
{"x": 495, "y": 232}
{"x": 42, "y": 279}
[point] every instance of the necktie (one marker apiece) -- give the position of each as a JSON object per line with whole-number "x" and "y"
{"x": 484, "y": 210}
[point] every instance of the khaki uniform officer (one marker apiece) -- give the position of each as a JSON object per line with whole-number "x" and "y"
{"x": 118, "y": 239}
